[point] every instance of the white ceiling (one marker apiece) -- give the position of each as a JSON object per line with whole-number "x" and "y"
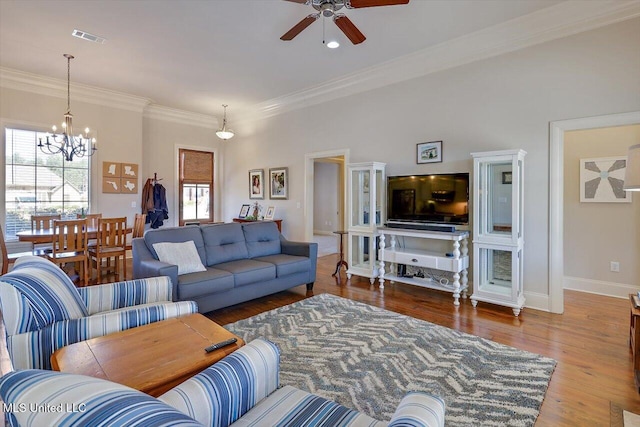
{"x": 195, "y": 55}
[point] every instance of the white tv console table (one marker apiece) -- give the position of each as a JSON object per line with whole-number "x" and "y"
{"x": 458, "y": 262}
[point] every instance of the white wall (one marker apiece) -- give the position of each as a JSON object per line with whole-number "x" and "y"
{"x": 597, "y": 233}
{"x": 499, "y": 103}
{"x": 325, "y": 193}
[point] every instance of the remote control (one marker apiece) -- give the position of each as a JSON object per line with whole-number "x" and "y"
{"x": 220, "y": 345}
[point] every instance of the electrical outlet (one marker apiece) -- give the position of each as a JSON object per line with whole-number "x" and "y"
{"x": 615, "y": 266}
{"x": 133, "y": 204}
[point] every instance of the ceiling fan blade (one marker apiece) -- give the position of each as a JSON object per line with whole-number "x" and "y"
{"x": 298, "y": 1}
{"x": 297, "y": 29}
{"x": 355, "y": 4}
{"x": 349, "y": 30}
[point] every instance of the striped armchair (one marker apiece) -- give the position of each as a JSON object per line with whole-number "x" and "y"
{"x": 240, "y": 390}
{"x": 42, "y": 309}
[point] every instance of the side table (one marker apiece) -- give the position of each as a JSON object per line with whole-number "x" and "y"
{"x": 634, "y": 341}
{"x": 342, "y": 261}
{"x": 277, "y": 221}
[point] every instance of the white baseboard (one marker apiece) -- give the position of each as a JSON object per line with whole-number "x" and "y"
{"x": 323, "y": 232}
{"x": 599, "y": 287}
{"x": 536, "y": 301}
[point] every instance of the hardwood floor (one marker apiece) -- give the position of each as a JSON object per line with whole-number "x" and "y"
{"x": 590, "y": 340}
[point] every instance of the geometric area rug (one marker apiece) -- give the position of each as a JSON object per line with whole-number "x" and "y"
{"x": 368, "y": 358}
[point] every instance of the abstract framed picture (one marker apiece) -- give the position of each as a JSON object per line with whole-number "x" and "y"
{"x": 256, "y": 184}
{"x": 429, "y": 152}
{"x": 279, "y": 183}
{"x": 602, "y": 180}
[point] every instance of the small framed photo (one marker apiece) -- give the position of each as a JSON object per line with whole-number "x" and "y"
{"x": 270, "y": 214}
{"x": 256, "y": 184}
{"x": 429, "y": 152}
{"x": 244, "y": 211}
{"x": 507, "y": 177}
{"x": 279, "y": 183}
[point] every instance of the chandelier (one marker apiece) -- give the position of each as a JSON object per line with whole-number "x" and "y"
{"x": 66, "y": 143}
{"x": 225, "y": 133}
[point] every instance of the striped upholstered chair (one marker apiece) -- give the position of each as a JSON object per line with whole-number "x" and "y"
{"x": 42, "y": 309}
{"x": 240, "y": 390}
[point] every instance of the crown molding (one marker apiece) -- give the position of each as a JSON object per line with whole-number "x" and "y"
{"x": 42, "y": 85}
{"x": 159, "y": 112}
{"x": 561, "y": 20}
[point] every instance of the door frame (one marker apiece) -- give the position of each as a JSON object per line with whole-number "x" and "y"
{"x": 309, "y": 160}
{"x": 556, "y": 193}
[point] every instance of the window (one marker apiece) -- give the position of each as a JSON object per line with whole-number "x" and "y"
{"x": 196, "y": 186}
{"x": 38, "y": 183}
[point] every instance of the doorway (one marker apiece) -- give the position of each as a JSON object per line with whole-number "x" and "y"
{"x": 325, "y": 198}
{"x": 556, "y": 194}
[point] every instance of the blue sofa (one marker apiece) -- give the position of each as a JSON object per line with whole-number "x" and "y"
{"x": 240, "y": 390}
{"x": 42, "y": 309}
{"x": 240, "y": 262}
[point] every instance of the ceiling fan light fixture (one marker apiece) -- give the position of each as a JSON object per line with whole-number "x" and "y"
{"x": 333, "y": 44}
{"x": 225, "y": 133}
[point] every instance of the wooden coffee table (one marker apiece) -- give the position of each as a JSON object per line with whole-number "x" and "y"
{"x": 152, "y": 358}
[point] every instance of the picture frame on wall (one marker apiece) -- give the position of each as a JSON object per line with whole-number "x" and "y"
{"x": 244, "y": 211}
{"x": 256, "y": 184}
{"x": 602, "y": 180}
{"x": 429, "y": 152}
{"x": 279, "y": 183}
{"x": 507, "y": 177}
{"x": 270, "y": 214}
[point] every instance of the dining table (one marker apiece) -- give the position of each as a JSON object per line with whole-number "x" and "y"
{"x": 46, "y": 236}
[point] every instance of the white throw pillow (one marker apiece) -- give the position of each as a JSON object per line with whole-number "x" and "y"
{"x": 184, "y": 255}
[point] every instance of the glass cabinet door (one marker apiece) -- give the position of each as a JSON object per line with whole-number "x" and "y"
{"x": 496, "y": 213}
{"x": 360, "y": 193}
{"x": 496, "y": 272}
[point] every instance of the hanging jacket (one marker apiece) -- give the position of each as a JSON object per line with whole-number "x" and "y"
{"x": 160, "y": 210}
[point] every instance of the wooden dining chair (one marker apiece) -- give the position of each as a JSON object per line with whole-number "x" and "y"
{"x": 43, "y": 222}
{"x": 138, "y": 227}
{"x": 92, "y": 223}
{"x": 112, "y": 234}
{"x": 70, "y": 246}
{"x": 9, "y": 258}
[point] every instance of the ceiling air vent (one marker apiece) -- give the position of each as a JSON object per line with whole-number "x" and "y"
{"x": 89, "y": 37}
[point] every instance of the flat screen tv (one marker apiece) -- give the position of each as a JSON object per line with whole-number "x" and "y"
{"x": 429, "y": 199}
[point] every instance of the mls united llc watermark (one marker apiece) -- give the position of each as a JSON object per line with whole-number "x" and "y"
{"x": 43, "y": 407}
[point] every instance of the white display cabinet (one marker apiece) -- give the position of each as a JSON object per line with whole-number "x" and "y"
{"x": 366, "y": 201}
{"x": 498, "y": 222}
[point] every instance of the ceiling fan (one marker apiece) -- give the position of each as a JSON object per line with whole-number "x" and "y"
{"x": 328, "y": 9}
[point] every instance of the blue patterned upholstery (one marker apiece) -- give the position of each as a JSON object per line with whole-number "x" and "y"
{"x": 82, "y": 401}
{"x": 42, "y": 313}
{"x": 418, "y": 409}
{"x": 223, "y": 393}
{"x": 240, "y": 390}
{"x": 46, "y": 292}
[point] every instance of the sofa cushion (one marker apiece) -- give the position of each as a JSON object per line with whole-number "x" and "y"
{"x": 224, "y": 243}
{"x": 287, "y": 264}
{"x": 175, "y": 235}
{"x": 289, "y": 406}
{"x": 211, "y": 281}
{"x": 82, "y": 400}
{"x": 262, "y": 237}
{"x": 37, "y": 293}
{"x": 182, "y": 254}
{"x": 248, "y": 271}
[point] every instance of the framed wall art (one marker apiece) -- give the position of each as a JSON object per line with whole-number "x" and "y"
{"x": 119, "y": 177}
{"x": 602, "y": 180}
{"x": 279, "y": 183}
{"x": 429, "y": 152}
{"x": 244, "y": 211}
{"x": 271, "y": 213}
{"x": 256, "y": 184}
{"x": 507, "y": 177}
